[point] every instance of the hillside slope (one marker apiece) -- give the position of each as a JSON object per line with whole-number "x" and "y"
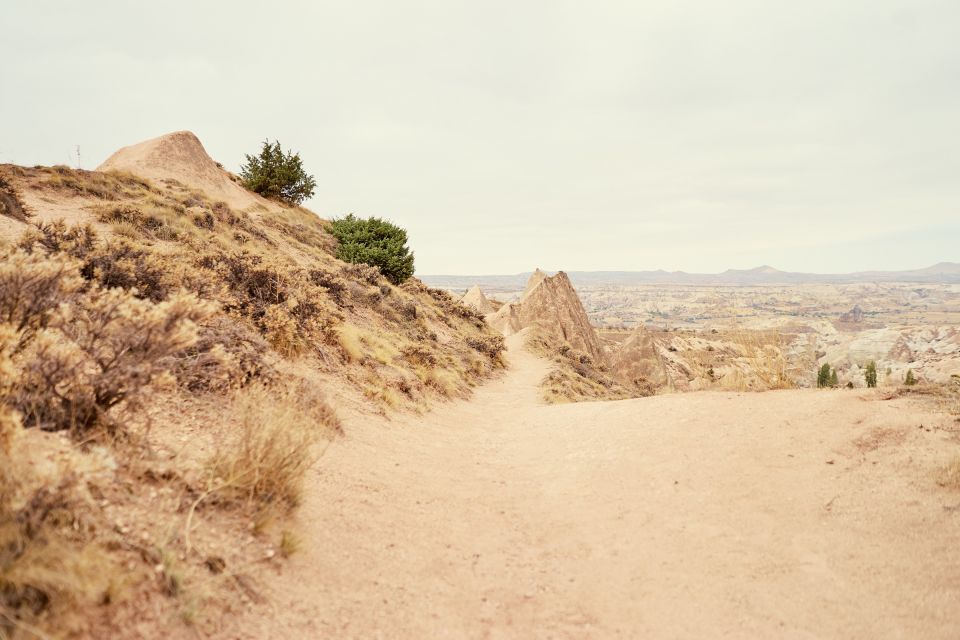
{"x": 174, "y": 352}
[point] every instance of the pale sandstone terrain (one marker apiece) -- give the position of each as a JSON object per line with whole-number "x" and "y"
{"x": 749, "y": 334}
{"x": 448, "y": 497}
{"x": 792, "y": 514}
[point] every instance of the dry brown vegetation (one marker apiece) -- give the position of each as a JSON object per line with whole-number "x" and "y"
{"x": 78, "y": 352}
{"x": 49, "y": 571}
{"x": 158, "y": 309}
{"x": 11, "y": 202}
{"x": 949, "y": 475}
{"x": 263, "y": 464}
{"x": 274, "y": 275}
{"x": 575, "y": 377}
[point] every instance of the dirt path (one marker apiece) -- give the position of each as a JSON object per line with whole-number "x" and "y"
{"x": 785, "y": 514}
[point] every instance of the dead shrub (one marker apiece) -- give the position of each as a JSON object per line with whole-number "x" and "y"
{"x": 280, "y": 299}
{"x": 152, "y": 223}
{"x": 491, "y": 346}
{"x": 111, "y": 264}
{"x": 454, "y": 307}
{"x": 264, "y": 463}
{"x": 77, "y": 354}
{"x": 336, "y": 286}
{"x": 405, "y": 310}
{"x": 282, "y": 331}
{"x": 31, "y": 290}
{"x": 49, "y": 572}
{"x": 419, "y": 356}
{"x": 11, "y": 202}
{"x": 363, "y": 273}
{"x": 120, "y": 264}
{"x": 227, "y": 356}
{"x": 204, "y": 220}
{"x": 57, "y": 238}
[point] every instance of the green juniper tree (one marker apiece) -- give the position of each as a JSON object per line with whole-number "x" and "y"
{"x": 834, "y": 381}
{"x": 823, "y": 376}
{"x": 909, "y": 380}
{"x": 870, "y": 374}
{"x": 277, "y": 175}
{"x": 375, "y": 242}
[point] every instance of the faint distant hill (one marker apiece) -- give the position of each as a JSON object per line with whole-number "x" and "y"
{"x": 941, "y": 273}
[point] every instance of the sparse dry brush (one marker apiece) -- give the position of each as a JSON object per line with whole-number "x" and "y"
{"x": 164, "y": 289}
{"x": 949, "y": 475}
{"x": 276, "y": 276}
{"x": 111, "y": 185}
{"x": 453, "y": 308}
{"x": 50, "y": 572}
{"x": 11, "y": 202}
{"x": 263, "y": 463}
{"x": 575, "y": 377}
{"x": 79, "y": 353}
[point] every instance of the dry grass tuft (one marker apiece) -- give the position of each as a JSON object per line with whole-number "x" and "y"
{"x": 949, "y": 475}
{"x": 112, "y": 185}
{"x": 279, "y": 430}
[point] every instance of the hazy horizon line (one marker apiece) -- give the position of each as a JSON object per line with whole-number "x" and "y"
{"x": 752, "y": 269}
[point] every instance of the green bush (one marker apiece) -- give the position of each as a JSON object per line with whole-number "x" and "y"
{"x": 909, "y": 380}
{"x": 870, "y": 374}
{"x": 277, "y": 175}
{"x": 375, "y": 242}
{"x": 823, "y": 376}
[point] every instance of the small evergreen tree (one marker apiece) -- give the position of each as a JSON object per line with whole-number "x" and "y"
{"x": 823, "y": 376}
{"x": 375, "y": 242}
{"x": 277, "y": 175}
{"x": 909, "y": 380}
{"x": 870, "y": 374}
{"x": 834, "y": 381}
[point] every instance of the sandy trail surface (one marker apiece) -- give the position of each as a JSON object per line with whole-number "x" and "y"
{"x": 796, "y": 514}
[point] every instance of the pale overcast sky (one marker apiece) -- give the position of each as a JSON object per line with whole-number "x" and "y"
{"x": 813, "y": 136}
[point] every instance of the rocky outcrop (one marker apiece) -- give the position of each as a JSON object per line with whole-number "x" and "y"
{"x": 637, "y": 361}
{"x": 551, "y": 304}
{"x": 180, "y": 156}
{"x": 474, "y": 298}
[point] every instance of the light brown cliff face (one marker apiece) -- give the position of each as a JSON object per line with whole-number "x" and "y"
{"x": 536, "y": 278}
{"x": 180, "y": 156}
{"x": 551, "y": 304}
{"x": 474, "y": 297}
{"x": 506, "y": 319}
{"x": 637, "y": 360}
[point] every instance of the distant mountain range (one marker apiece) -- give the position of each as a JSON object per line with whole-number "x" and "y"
{"x": 941, "y": 273}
